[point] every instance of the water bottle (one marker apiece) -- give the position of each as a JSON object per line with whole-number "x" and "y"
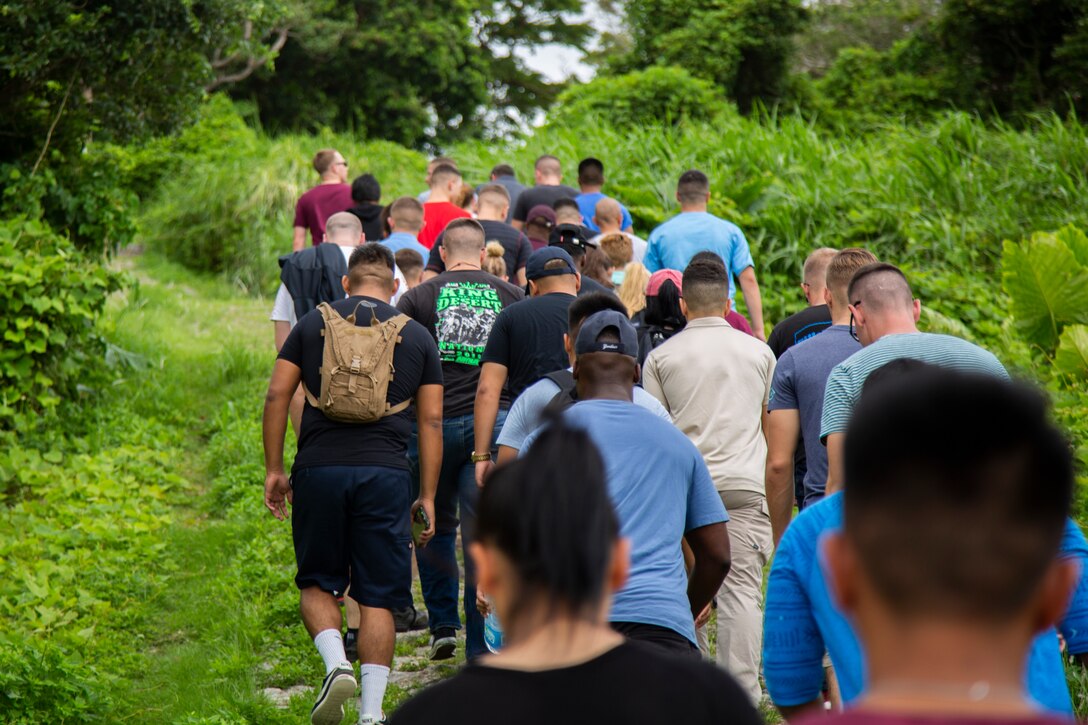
{"x": 492, "y": 630}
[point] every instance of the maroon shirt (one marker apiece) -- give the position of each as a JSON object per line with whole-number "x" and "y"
{"x": 318, "y": 204}
{"x": 862, "y": 717}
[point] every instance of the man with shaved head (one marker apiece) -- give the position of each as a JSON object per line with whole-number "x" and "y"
{"x": 458, "y": 307}
{"x": 608, "y": 216}
{"x": 549, "y": 188}
{"x": 884, "y": 319}
{"x": 493, "y": 206}
{"x": 815, "y": 318}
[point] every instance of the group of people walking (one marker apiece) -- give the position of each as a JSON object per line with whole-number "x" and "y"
{"x": 622, "y": 453}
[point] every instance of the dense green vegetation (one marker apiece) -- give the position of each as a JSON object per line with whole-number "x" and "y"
{"x": 140, "y": 578}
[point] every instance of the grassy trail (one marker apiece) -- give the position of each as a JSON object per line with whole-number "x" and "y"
{"x": 221, "y": 626}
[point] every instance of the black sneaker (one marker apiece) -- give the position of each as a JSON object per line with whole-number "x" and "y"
{"x": 351, "y": 645}
{"x": 338, "y": 686}
{"x": 409, "y": 620}
{"x": 443, "y": 643}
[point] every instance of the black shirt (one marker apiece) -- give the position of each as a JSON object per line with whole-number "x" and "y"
{"x": 799, "y": 327}
{"x": 632, "y": 684}
{"x": 324, "y": 442}
{"x": 516, "y": 245}
{"x": 459, "y": 309}
{"x": 591, "y": 285}
{"x": 370, "y": 215}
{"x": 528, "y": 339}
{"x": 546, "y": 195}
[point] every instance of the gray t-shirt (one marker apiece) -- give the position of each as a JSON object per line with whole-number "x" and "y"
{"x": 524, "y": 415}
{"x": 798, "y": 384}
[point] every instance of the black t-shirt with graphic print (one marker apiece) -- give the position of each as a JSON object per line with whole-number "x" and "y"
{"x": 459, "y": 308}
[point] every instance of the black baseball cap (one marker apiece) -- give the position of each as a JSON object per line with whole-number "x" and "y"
{"x": 571, "y": 237}
{"x": 595, "y": 324}
{"x": 534, "y": 268}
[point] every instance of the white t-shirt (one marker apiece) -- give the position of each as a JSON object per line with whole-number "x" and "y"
{"x": 283, "y": 309}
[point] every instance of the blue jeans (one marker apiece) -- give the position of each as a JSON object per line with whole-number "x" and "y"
{"x": 457, "y": 491}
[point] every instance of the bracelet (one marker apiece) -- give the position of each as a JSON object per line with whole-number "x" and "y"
{"x": 480, "y": 457}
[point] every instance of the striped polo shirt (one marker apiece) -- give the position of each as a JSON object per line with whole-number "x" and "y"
{"x": 847, "y": 378}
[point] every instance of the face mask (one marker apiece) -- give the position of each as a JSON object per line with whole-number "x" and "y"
{"x": 617, "y": 277}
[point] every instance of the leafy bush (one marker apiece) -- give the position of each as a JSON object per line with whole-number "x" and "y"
{"x": 1046, "y": 278}
{"x": 51, "y": 296}
{"x": 656, "y": 95}
{"x": 41, "y": 683}
{"x": 229, "y": 210}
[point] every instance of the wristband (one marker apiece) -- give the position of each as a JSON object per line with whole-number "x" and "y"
{"x": 480, "y": 457}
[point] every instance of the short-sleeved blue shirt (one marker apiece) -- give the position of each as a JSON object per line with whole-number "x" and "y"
{"x": 587, "y": 204}
{"x": 661, "y": 490}
{"x": 799, "y": 381}
{"x": 674, "y": 243}
{"x": 801, "y": 620}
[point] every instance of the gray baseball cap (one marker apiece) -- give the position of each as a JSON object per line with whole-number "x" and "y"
{"x": 597, "y": 323}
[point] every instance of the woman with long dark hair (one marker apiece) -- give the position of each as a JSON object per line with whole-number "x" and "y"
{"x": 549, "y": 555}
{"x": 662, "y": 317}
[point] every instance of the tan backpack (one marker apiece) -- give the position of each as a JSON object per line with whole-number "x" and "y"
{"x": 357, "y": 366}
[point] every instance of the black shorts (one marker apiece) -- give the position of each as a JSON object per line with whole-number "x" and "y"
{"x": 662, "y": 638}
{"x": 354, "y": 518}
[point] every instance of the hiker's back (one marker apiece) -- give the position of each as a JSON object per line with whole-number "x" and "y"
{"x": 380, "y": 442}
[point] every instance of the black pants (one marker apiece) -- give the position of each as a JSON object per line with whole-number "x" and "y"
{"x": 662, "y": 638}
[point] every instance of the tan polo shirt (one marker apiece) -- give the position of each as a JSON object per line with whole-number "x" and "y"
{"x": 715, "y": 382}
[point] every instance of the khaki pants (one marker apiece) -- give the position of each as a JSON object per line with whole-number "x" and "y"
{"x": 740, "y": 599}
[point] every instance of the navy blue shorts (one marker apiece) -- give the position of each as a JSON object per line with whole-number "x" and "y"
{"x": 354, "y": 519}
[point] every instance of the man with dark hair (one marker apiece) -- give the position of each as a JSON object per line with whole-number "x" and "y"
{"x": 813, "y": 319}
{"x": 548, "y": 174}
{"x": 590, "y": 181}
{"x": 441, "y": 207}
{"x": 366, "y": 192}
{"x": 947, "y": 612}
{"x": 558, "y": 387}
{"x": 332, "y": 195}
{"x": 504, "y": 176}
{"x": 797, "y": 396}
{"x": 715, "y": 381}
{"x": 694, "y": 229}
{"x": 526, "y": 342}
{"x": 406, "y": 223}
{"x": 884, "y": 319}
{"x": 350, "y": 486}
{"x": 493, "y": 203}
{"x": 458, "y": 307}
{"x": 661, "y": 488}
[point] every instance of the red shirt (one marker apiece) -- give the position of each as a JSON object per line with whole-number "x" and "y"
{"x": 318, "y": 204}
{"x": 436, "y": 215}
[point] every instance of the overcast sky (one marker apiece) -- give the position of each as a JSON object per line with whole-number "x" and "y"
{"x": 558, "y": 62}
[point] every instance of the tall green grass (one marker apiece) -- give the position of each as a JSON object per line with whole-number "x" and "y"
{"x": 939, "y": 197}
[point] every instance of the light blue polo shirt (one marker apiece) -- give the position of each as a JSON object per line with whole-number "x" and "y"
{"x": 661, "y": 490}
{"x": 587, "y": 204}
{"x": 674, "y": 243}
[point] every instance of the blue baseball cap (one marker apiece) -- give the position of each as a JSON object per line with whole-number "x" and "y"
{"x": 534, "y": 268}
{"x": 597, "y": 323}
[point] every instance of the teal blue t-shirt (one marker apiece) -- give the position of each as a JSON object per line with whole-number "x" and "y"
{"x": 801, "y": 621}
{"x": 661, "y": 490}
{"x": 846, "y": 380}
{"x": 674, "y": 243}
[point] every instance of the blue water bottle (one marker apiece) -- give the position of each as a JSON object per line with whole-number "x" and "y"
{"x": 492, "y": 630}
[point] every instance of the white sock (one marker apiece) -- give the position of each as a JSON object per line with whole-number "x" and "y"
{"x": 330, "y": 644}
{"x": 372, "y": 680}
